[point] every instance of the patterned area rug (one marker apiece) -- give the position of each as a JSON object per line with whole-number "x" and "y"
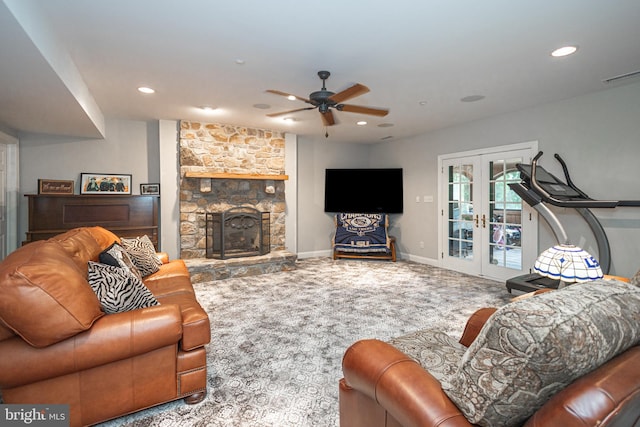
{"x": 277, "y": 340}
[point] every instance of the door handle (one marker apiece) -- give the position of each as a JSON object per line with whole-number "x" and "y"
{"x": 476, "y": 221}
{"x": 484, "y": 221}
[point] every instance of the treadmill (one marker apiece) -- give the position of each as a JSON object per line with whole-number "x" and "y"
{"x": 539, "y": 188}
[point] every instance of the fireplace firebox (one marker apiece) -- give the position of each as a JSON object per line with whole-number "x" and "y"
{"x": 238, "y": 232}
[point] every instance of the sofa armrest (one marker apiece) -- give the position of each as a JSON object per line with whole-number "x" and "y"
{"x": 400, "y": 385}
{"x": 164, "y": 257}
{"x": 606, "y": 396}
{"x": 475, "y": 324}
{"x": 112, "y": 337}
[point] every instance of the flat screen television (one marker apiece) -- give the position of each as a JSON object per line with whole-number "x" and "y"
{"x": 363, "y": 190}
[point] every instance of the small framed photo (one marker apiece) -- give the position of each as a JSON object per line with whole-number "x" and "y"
{"x": 150, "y": 189}
{"x": 55, "y": 186}
{"x": 105, "y": 183}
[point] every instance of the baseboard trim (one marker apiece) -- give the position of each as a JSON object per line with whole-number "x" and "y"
{"x": 419, "y": 259}
{"x": 315, "y": 254}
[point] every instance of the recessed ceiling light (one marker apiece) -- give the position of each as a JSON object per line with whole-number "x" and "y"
{"x": 290, "y": 119}
{"x": 361, "y": 123}
{"x": 564, "y": 51}
{"x": 291, "y": 98}
{"x": 472, "y": 98}
{"x": 422, "y": 103}
{"x": 240, "y": 61}
{"x": 145, "y": 89}
{"x": 208, "y": 109}
{"x": 262, "y": 106}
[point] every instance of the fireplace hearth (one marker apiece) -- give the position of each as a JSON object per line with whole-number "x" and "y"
{"x": 237, "y": 232}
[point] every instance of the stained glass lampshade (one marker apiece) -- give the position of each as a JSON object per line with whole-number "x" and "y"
{"x": 569, "y": 264}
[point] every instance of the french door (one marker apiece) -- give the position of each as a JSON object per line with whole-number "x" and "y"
{"x": 486, "y": 229}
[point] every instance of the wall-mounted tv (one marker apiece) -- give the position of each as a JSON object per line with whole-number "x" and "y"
{"x": 363, "y": 190}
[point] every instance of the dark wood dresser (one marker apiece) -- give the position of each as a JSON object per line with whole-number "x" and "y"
{"x": 126, "y": 216}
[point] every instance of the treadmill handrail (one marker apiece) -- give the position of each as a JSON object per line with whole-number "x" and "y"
{"x": 547, "y": 197}
{"x": 570, "y": 183}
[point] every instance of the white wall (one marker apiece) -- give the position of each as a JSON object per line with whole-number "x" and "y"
{"x": 598, "y": 135}
{"x": 130, "y": 147}
{"x": 315, "y": 154}
{"x": 169, "y": 187}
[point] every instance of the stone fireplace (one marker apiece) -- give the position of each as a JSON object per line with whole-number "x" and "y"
{"x": 224, "y": 167}
{"x": 238, "y": 232}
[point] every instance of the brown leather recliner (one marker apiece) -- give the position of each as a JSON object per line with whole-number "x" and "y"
{"x": 385, "y": 387}
{"x": 59, "y": 347}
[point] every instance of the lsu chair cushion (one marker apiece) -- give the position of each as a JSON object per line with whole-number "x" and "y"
{"x": 533, "y": 348}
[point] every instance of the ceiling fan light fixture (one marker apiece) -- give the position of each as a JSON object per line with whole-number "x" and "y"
{"x": 326, "y": 101}
{"x": 564, "y": 51}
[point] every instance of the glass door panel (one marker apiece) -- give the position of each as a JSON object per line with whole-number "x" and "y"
{"x": 460, "y": 211}
{"x": 505, "y": 213}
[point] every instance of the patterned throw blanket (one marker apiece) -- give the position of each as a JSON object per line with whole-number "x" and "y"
{"x": 359, "y": 232}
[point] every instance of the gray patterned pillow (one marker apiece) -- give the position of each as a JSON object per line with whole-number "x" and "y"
{"x": 117, "y": 289}
{"x": 533, "y": 348}
{"x": 636, "y": 279}
{"x": 437, "y": 352}
{"x": 143, "y": 254}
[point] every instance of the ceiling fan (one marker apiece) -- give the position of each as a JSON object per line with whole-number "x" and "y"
{"x": 325, "y": 100}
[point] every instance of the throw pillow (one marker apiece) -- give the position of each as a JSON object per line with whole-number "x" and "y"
{"x": 117, "y": 256}
{"x": 636, "y": 278}
{"x": 437, "y": 352}
{"x": 143, "y": 254}
{"x": 117, "y": 290}
{"x": 533, "y": 348}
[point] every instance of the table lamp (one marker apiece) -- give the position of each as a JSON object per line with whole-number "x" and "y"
{"x": 569, "y": 264}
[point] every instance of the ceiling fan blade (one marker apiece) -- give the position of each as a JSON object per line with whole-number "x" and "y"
{"x": 355, "y": 90}
{"x": 285, "y": 94}
{"x": 380, "y": 112}
{"x": 327, "y": 118}
{"x": 282, "y": 113}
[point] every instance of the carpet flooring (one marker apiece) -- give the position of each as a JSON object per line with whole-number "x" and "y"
{"x": 277, "y": 340}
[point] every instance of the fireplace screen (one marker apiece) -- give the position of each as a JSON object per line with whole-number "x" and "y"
{"x": 238, "y": 232}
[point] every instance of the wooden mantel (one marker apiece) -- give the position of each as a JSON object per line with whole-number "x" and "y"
{"x": 191, "y": 174}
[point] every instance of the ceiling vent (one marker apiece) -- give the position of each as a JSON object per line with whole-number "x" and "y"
{"x": 622, "y": 77}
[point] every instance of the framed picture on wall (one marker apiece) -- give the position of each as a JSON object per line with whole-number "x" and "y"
{"x": 55, "y": 186}
{"x": 105, "y": 183}
{"x": 150, "y": 189}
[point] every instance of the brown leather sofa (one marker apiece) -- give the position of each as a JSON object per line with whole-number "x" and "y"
{"x": 385, "y": 387}
{"x": 58, "y": 347}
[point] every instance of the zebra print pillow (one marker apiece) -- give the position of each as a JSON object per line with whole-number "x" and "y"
{"x": 143, "y": 254}
{"x": 117, "y": 256}
{"x": 118, "y": 290}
